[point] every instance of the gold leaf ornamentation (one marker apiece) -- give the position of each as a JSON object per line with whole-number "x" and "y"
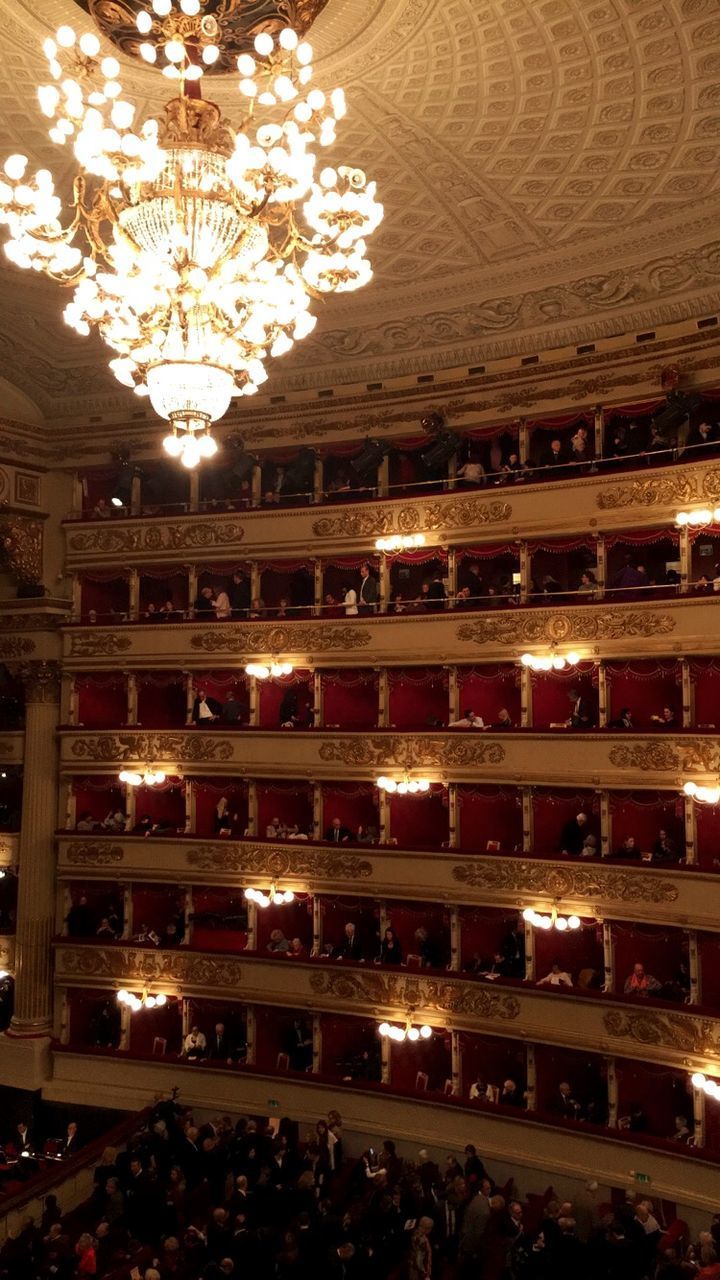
{"x": 122, "y": 539}
{"x": 184, "y": 748}
{"x": 646, "y": 756}
{"x": 510, "y": 875}
{"x": 93, "y": 855}
{"x": 21, "y": 539}
{"x": 41, "y": 681}
{"x": 138, "y": 965}
{"x": 274, "y": 861}
{"x": 311, "y": 637}
{"x": 96, "y": 644}
{"x": 464, "y": 512}
{"x": 664, "y": 1030}
{"x": 669, "y": 489}
{"x": 367, "y": 523}
{"x": 390, "y": 990}
{"x": 700, "y": 754}
{"x": 15, "y": 647}
{"x": 412, "y": 752}
{"x": 548, "y": 627}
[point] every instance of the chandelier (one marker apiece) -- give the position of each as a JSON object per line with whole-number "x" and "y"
{"x": 136, "y": 1003}
{"x": 390, "y": 1031}
{"x": 710, "y": 1087}
{"x": 554, "y": 662}
{"x": 263, "y": 670}
{"x": 194, "y": 246}
{"x": 400, "y": 542}
{"x": 150, "y": 777}
{"x": 406, "y": 786}
{"x": 274, "y": 897}
{"x": 702, "y": 795}
{"x": 696, "y": 518}
{"x": 553, "y": 921}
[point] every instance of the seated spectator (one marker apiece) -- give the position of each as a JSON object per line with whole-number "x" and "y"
{"x": 703, "y": 434}
{"x": 390, "y": 949}
{"x": 205, "y": 710}
{"x": 115, "y": 821}
{"x": 275, "y": 830}
{"x": 365, "y": 835}
{"x": 204, "y": 602}
{"x": 331, "y": 608}
{"x": 468, "y": 720}
{"x": 297, "y": 948}
{"x": 336, "y": 833}
{"x": 86, "y": 822}
{"x": 351, "y": 947}
{"x": 294, "y": 833}
{"x": 587, "y": 585}
{"x": 101, "y": 510}
{"x": 194, "y": 1045}
{"x": 682, "y": 1131}
{"x": 564, "y": 1104}
{"x": 511, "y": 1095}
{"x": 555, "y": 455}
{"x": 152, "y": 613}
{"x": 623, "y": 721}
{"x": 664, "y": 849}
{"x": 478, "y": 1088}
{"x": 579, "y": 447}
{"x": 472, "y": 472}
{"x": 283, "y": 609}
{"x": 581, "y": 711}
{"x": 232, "y": 709}
{"x": 499, "y": 967}
{"x": 512, "y": 469}
{"x": 257, "y": 608}
{"x": 462, "y": 599}
{"x": 557, "y": 977}
{"x": 105, "y": 929}
{"x": 143, "y": 826}
{"x": 666, "y": 719}
{"x": 631, "y": 577}
{"x": 426, "y": 949}
{"x": 628, "y": 849}
{"x": 640, "y": 983}
{"x": 278, "y": 943}
{"x": 146, "y": 935}
{"x": 702, "y": 586}
{"x": 589, "y": 848}
{"x": 504, "y": 720}
{"x": 573, "y": 835}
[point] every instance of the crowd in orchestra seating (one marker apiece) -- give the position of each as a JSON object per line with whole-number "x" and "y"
{"x": 195, "y": 1199}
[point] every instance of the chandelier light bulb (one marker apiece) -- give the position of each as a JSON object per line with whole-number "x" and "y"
{"x": 162, "y": 7}
{"x": 150, "y": 1002}
{"x": 110, "y": 68}
{"x": 264, "y": 44}
{"x": 148, "y": 52}
{"x": 574, "y": 922}
{"x": 384, "y": 1028}
{"x": 144, "y": 22}
{"x": 175, "y": 51}
{"x": 89, "y": 44}
{"x": 210, "y": 54}
{"x": 413, "y": 1033}
{"x": 304, "y": 53}
{"x": 161, "y": 1000}
{"x": 190, "y": 7}
{"x": 697, "y": 1080}
{"x": 561, "y": 924}
{"x": 65, "y": 37}
{"x": 426, "y": 1032}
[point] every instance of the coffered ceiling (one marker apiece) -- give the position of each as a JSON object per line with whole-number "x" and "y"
{"x": 549, "y": 170}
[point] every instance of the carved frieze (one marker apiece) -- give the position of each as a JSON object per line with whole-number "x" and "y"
{"x": 124, "y": 539}
{"x": 297, "y": 637}
{"x": 15, "y": 647}
{"x": 464, "y": 513}
{"x": 666, "y": 1030}
{"x": 554, "y": 627}
{"x": 93, "y": 855}
{"x": 369, "y": 523}
{"x": 98, "y": 644}
{"x": 701, "y": 755}
{"x": 183, "y": 748}
{"x": 512, "y": 876}
{"x": 274, "y": 862}
{"x": 21, "y": 540}
{"x": 461, "y": 512}
{"x": 410, "y": 751}
{"x": 178, "y": 968}
{"x": 668, "y": 488}
{"x": 397, "y": 990}
{"x": 41, "y": 681}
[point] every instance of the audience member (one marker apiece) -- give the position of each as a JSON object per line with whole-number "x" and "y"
{"x": 640, "y": 983}
{"x": 573, "y": 835}
{"x": 557, "y": 977}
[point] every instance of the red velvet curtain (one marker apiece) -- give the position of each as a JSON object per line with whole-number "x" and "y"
{"x": 493, "y": 1060}
{"x": 642, "y": 814}
{"x": 218, "y": 684}
{"x": 272, "y": 691}
{"x": 164, "y": 803}
{"x": 207, "y": 797}
{"x": 350, "y": 699}
{"x": 159, "y": 585}
{"x": 161, "y": 701}
{"x": 98, "y": 483}
{"x": 292, "y": 582}
{"x": 206, "y": 1014}
{"x": 576, "y": 949}
{"x": 273, "y": 1028}
{"x": 98, "y": 796}
{"x": 488, "y": 814}
{"x": 585, "y": 1072}
{"x": 223, "y": 910}
{"x": 84, "y": 1008}
{"x": 486, "y": 690}
{"x": 661, "y": 1092}
{"x": 645, "y": 686}
{"x": 482, "y": 931}
{"x": 354, "y": 803}
{"x": 405, "y": 920}
{"x": 558, "y": 422}
{"x": 552, "y": 701}
{"x": 417, "y": 696}
{"x": 552, "y": 809}
{"x": 708, "y": 836}
{"x": 709, "y": 953}
{"x": 409, "y": 569}
{"x": 344, "y": 1039}
{"x": 103, "y": 594}
{"x": 219, "y": 576}
{"x": 705, "y": 675}
{"x": 659, "y": 950}
{"x": 431, "y": 1056}
{"x": 337, "y": 912}
{"x": 344, "y": 571}
{"x": 420, "y": 821}
{"x": 149, "y": 1023}
{"x": 155, "y": 905}
{"x": 289, "y": 802}
{"x": 101, "y": 701}
{"x": 293, "y": 918}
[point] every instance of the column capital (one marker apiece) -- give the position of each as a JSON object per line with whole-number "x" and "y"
{"x": 41, "y": 681}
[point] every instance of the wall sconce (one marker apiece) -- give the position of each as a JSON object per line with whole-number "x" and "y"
{"x": 554, "y": 662}
{"x": 263, "y": 670}
{"x": 391, "y": 1031}
{"x": 553, "y": 921}
{"x": 400, "y": 542}
{"x": 406, "y": 786}
{"x": 702, "y": 516}
{"x": 274, "y": 896}
{"x": 148, "y": 778}
{"x": 136, "y": 1003}
{"x": 703, "y": 795}
{"x": 710, "y": 1087}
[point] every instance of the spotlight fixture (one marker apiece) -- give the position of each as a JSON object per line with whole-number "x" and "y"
{"x": 144, "y": 1001}
{"x": 400, "y": 542}
{"x": 406, "y": 786}
{"x": 702, "y": 516}
{"x": 274, "y": 897}
{"x": 553, "y": 921}
{"x": 709, "y": 1087}
{"x": 391, "y": 1031}
{"x": 263, "y": 670}
{"x": 551, "y": 662}
{"x": 703, "y": 795}
{"x": 150, "y": 777}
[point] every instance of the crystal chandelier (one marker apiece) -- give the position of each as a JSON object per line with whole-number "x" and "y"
{"x": 274, "y": 897}
{"x": 149, "y": 777}
{"x": 194, "y": 246}
{"x": 390, "y": 1031}
{"x": 144, "y": 1001}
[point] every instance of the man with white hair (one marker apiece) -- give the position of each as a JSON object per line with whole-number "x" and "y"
{"x": 573, "y": 835}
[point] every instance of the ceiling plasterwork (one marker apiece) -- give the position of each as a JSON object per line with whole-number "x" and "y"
{"x": 549, "y": 170}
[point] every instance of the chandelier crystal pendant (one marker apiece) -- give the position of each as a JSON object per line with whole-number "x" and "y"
{"x": 194, "y": 246}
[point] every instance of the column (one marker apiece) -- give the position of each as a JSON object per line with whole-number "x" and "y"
{"x": 78, "y": 494}
{"x": 383, "y": 699}
{"x": 455, "y": 940}
{"x": 256, "y": 485}
{"x": 612, "y": 1089}
{"x": 190, "y": 806}
{"x": 608, "y": 958}
{"x": 316, "y": 1043}
{"x": 68, "y": 700}
{"x": 599, "y": 430}
{"x": 194, "y": 502}
{"x": 688, "y": 710}
{"x": 76, "y": 598}
{"x": 136, "y": 494}
{"x": 62, "y": 1016}
{"x": 605, "y": 825}
{"x": 317, "y": 810}
{"x": 253, "y": 701}
{"x": 525, "y": 572}
{"x": 252, "y": 807}
{"x": 384, "y": 584}
{"x": 690, "y": 819}
{"x": 451, "y": 585}
{"x": 63, "y": 909}
{"x": 188, "y": 907}
{"x": 318, "y": 481}
{"x": 384, "y": 1060}
{"x": 192, "y": 574}
{"x": 527, "y": 814}
{"x": 453, "y": 695}
{"x": 451, "y": 473}
{"x": 125, "y": 1023}
{"x": 186, "y": 1023}
{"x": 531, "y": 1077}
{"x": 685, "y": 559}
{"x": 252, "y": 911}
{"x": 134, "y": 595}
{"x": 602, "y": 693}
{"x": 694, "y": 967}
{"x": 36, "y": 884}
{"x": 67, "y": 806}
{"x": 529, "y": 951}
{"x": 383, "y": 477}
{"x": 318, "y": 710}
{"x": 130, "y": 807}
{"x": 132, "y": 699}
{"x": 254, "y": 580}
{"x": 189, "y": 697}
{"x": 317, "y": 925}
{"x": 699, "y": 1101}
{"x": 456, "y": 1060}
{"x": 453, "y": 815}
{"x": 127, "y": 912}
{"x": 384, "y": 816}
{"x": 601, "y": 565}
{"x": 250, "y": 1026}
{"x": 318, "y": 598}
{"x": 526, "y": 699}
{"x": 523, "y": 441}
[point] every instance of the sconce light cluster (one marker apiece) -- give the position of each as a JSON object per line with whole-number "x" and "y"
{"x": 135, "y": 1003}
{"x": 552, "y": 663}
{"x": 400, "y": 542}
{"x": 553, "y": 921}
{"x": 263, "y": 670}
{"x": 274, "y": 896}
{"x": 703, "y": 795}
{"x": 390, "y": 1031}
{"x": 407, "y": 786}
{"x": 694, "y": 518}
{"x": 148, "y": 778}
{"x": 710, "y": 1087}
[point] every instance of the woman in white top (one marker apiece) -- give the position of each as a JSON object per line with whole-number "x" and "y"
{"x": 221, "y": 602}
{"x": 350, "y": 601}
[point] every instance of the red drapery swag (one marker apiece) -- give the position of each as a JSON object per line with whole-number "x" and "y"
{"x": 561, "y": 422}
{"x": 587, "y": 542}
{"x": 486, "y": 552}
{"x": 352, "y": 563}
{"x": 493, "y": 432}
{"x": 644, "y": 407}
{"x": 644, "y": 687}
{"x": 286, "y": 566}
{"x": 421, "y": 555}
{"x": 575, "y": 950}
{"x": 645, "y": 539}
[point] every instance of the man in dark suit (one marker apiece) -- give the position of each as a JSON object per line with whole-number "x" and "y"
{"x": 580, "y": 713}
{"x": 336, "y": 833}
{"x": 71, "y": 1144}
{"x": 351, "y": 947}
{"x": 448, "y": 1218}
{"x": 436, "y": 594}
{"x": 368, "y": 595}
{"x": 219, "y": 1048}
{"x": 205, "y": 710}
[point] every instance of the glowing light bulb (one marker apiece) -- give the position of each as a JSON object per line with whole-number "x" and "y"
{"x": 246, "y": 65}
{"x": 413, "y": 1033}
{"x": 264, "y": 44}
{"x": 162, "y": 7}
{"x": 426, "y": 1032}
{"x": 210, "y": 54}
{"x": 574, "y": 922}
{"x": 89, "y": 44}
{"x": 110, "y": 68}
{"x": 190, "y": 7}
{"x": 175, "y": 51}
{"x": 304, "y": 53}
{"x": 384, "y": 1028}
{"x": 288, "y": 39}
{"x": 148, "y": 52}
{"x": 697, "y": 1080}
{"x": 160, "y": 1000}
{"x": 573, "y": 659}
{"x": 65, "y": 37}
{"x": 143, "y": 22}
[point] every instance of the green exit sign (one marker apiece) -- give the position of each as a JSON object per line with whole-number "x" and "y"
{"x": 642, "y": 1177}
{"x": 273, "y": 1102}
